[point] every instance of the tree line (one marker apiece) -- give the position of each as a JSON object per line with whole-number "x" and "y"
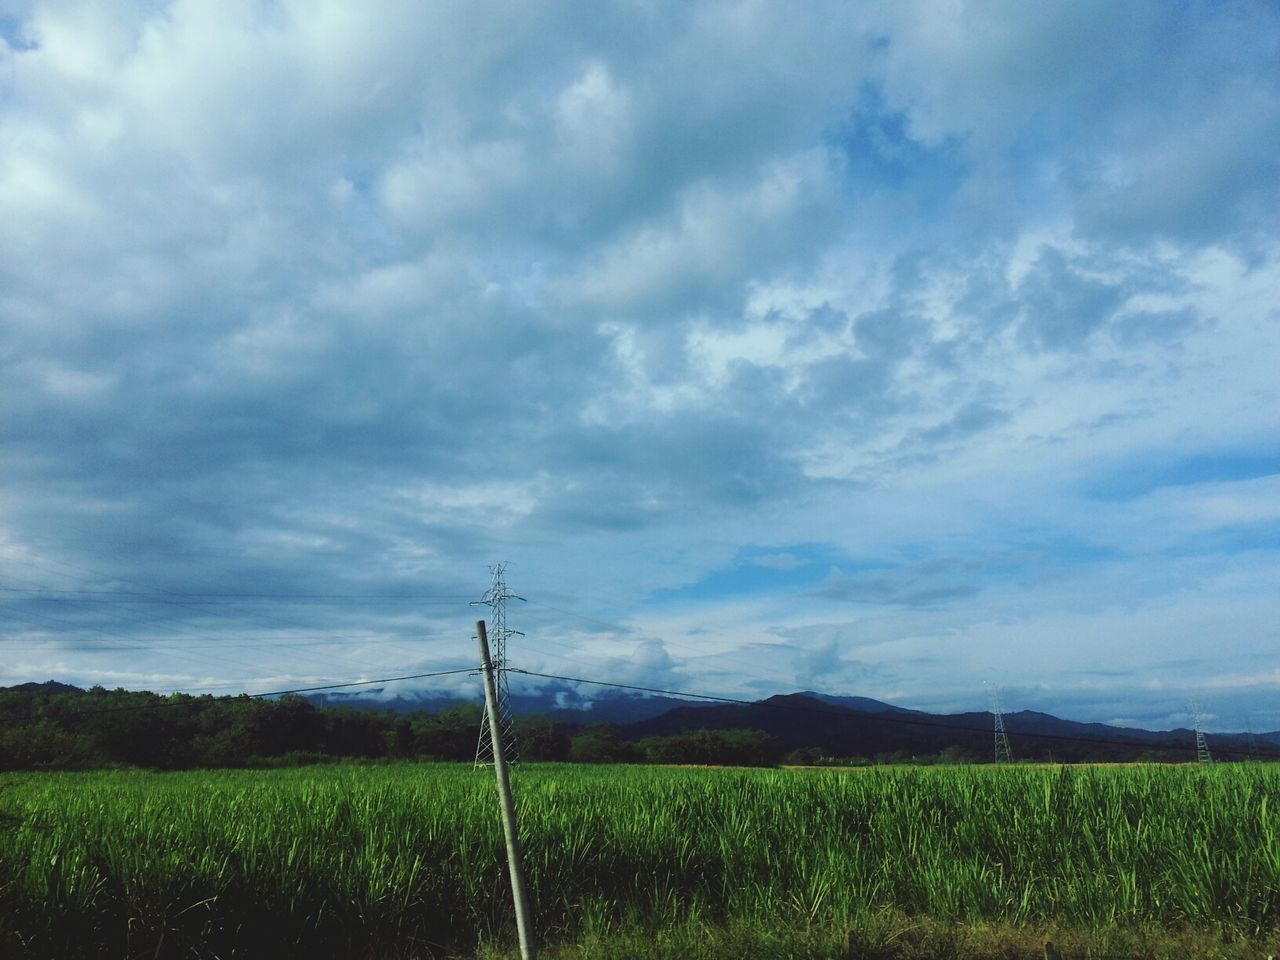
{"x": 54, "y": 727}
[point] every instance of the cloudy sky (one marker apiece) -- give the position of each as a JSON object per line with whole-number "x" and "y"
{"x": 886, "y": 349}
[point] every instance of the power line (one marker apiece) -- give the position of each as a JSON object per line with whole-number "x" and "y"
{"x": 156, "y": 596}
{"x": 275, "y": 693}
{"x": 495, "y": 599}
{"x": 146, "y": 600}
{"x": 127, "y": 596}
{"x": 629, "y": 686}
{"x": 1003, "y": 752}
{"x": 829, "y": 712}
{"x": 622, "y": 629}
{"x": 365, "y": 683}
{"x": 611, "y": 627}
{"x": 109, "y": 643}
{"x": 122, "y": 634}
{"x": 1202, "y": 745}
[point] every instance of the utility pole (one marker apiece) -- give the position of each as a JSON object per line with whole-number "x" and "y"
{"x": 1004, "y": 754}
{"x": 496, "y": 600}
{"x": 515, "y": 864}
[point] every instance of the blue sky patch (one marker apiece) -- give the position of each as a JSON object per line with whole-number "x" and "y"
{"x": 613, "y": 296}
{"x": 11, "y": 32}
{"x": 757, "y": 570}
{"x": 1139, "y": 478}
{"x": 880, "y": 153}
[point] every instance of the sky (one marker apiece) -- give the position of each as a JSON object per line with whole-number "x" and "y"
{"x": 902, "y": 350}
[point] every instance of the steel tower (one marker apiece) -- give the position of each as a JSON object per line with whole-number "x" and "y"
{"x": 495, "y": 599}
{"x": 1003, "y": 752}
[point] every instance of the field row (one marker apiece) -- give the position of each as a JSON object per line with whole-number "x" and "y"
{"x": 406, "y": 859}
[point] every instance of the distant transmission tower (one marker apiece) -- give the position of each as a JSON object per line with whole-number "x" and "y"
{"x": 496, "y": 600}
{"x": 1251, "y": 742}
{"x": 1202, "y": 745}
{"x": 1003, "y": 753}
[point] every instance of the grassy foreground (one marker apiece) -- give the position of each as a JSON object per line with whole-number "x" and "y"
{"x": 406, "y": 861}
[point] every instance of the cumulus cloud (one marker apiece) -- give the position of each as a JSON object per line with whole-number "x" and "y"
{"x": 824, "y": 668}
{"x": 315, "y": 301}
{"x": 927, "y": 583}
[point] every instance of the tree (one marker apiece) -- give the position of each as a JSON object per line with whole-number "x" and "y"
{"x": 739, "y": 748}
{"x": 600, "y": 743}
{"x": 538, "y": 738}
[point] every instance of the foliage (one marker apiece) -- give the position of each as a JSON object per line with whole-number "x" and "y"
{"x": 52, "y": 726}
{"x": 80, "y": 730}
{"x": 601, "y": 743}
{"x": 742, "y": 748}
{"x": 406, "y": 860}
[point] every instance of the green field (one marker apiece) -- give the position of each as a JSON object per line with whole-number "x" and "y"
{"x": 406, "y": 861}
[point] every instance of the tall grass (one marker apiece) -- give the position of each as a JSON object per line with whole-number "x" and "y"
{"x": 406, "y": 860}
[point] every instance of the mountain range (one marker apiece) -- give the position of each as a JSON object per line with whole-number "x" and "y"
{"x": 846, "y": 726}
{"x": 809, "y": 726}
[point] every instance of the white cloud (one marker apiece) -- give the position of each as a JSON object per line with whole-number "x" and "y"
{"x": 593, "y": 120}
{"x": 292, "y": 291}
{"x": 439, "y": 188}
{"x": 717, "y": 237}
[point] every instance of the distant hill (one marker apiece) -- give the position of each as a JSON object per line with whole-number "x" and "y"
{"x": 846, "y": 726}
{"x": 563, "y": 705}
{"x": 875, "y": 729}
{"x": 49, "y": 686}
{"x": 839, "y": 726}
{"x": 865, "y": 704}
{"x": 810, "y": 723}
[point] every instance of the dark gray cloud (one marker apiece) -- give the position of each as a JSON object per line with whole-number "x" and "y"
{"x": 972, "y": 418}
{"x": 309, "y": 302}
{"x": 1160, "y": 326}
{"x": 928, "y": 583}
{"x": 1061, "y": 305}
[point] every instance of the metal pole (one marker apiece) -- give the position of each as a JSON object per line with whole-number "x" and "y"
{"x": 524, "y": 921}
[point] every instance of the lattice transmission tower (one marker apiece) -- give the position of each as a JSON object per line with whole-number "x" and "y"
{"x": 495, "y": 599}
{"x": 1202, "y": 745}
{"x": 1004, "y": 754}
{"x": 1251, "y": 742}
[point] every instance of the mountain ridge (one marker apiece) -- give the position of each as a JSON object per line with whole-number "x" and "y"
{"x": 843, "y": 724}
{"x": 829, "y": 724}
